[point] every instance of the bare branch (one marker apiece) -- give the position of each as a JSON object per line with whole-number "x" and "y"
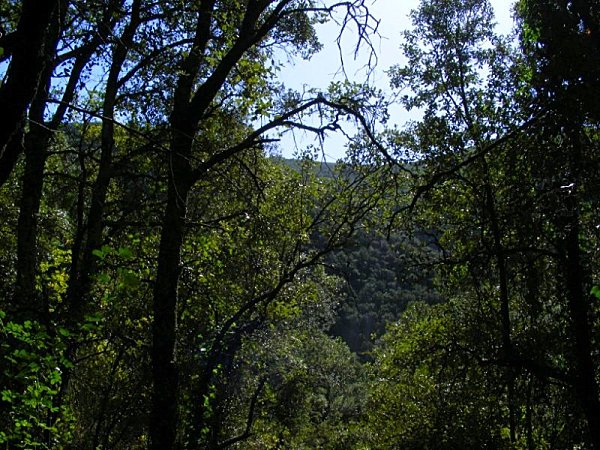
{"x": 250, "y": 419}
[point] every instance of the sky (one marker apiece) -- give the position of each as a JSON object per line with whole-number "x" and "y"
{"x": 325, "y": 65}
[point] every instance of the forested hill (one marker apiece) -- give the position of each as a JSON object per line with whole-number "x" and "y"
{"x": 320, "y": 169}
{"x": 381, "y": 277}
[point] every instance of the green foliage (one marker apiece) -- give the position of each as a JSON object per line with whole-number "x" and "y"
{"x": 314, "y": 395}
{"x": 503, "y": 205}
{"x": 562, "y": 49}
{"x": 427, "y": 392}
{"x": 382, "y": 277}
{"x": 499, "y": 177}
{"x": 33, "y": 362}
{"x": 144, "y": 78}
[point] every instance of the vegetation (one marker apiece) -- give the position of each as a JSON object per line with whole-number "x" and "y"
{"x": 168, "y": 283}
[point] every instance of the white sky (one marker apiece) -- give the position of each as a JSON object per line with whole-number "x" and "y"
{"x": 325, "y": 66}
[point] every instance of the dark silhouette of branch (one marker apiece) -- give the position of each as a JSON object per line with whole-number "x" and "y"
{"x": 249, "y": 420}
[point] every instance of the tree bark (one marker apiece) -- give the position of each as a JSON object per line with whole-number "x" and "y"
{"x": 80, "y": 284}
{"x": 190, "y": 105}
{"x": 27, "y": 252}
{"x": 35, "y": 144}
{"x": 165, "y": 374}
{"x": 38, "y": 22}
{"x": 586, "y": 387}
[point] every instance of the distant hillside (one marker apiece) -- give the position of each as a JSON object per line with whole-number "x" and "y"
{"x": 324, "y": 168}
{"x": 380, "y": 282}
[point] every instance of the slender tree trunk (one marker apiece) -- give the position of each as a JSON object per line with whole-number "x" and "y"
{"x": 80, "y": 284}
{"x": 221, "y": 354}
{"x": 39, "y": 21}
{"x": 507, "y": 346}
{"x": 27, "y": 251}
{"x": 89, "y": 234}
{"x": 502, "y": 268}
{"x": 529, "y": 414}
{"x": 36, "y": 147}
{"x": 190, "y": 105}
{"x": 165, "y": 373}
{"x": 12, "y": 151}
{"x": 574, "y": 278}
{"x": 36, "y": 144}
{"x": 585, "y": 384}
{"x": 101, "y": 429}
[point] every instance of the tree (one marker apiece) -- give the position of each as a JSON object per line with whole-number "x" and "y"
{"x": 489, "y": 191}
{"x": 382, "y": 276}
{"x": 251, "y": 25}
{"x": 427, "y": 393}
{"x": 38, "y": 140}
{"x": 30, "y": 46}
{"x": 251, "y": 270}
{"x": 565, "y": 81}
{"x": 165, "y": 145}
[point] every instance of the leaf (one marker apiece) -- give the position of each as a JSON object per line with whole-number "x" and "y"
{"x": 130, "y": 280}
{"x": 7, "y": 396}
{"x": 125, "y": 253}
{"x": 99, "y": 253}
{"x": 96, "y": 317}
{"x": 104, "y": 278}
{"x": 595, "y": 292}
{"x": 64, "y": 332}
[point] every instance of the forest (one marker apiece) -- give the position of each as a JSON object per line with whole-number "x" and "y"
{"x": 170, "y": 281}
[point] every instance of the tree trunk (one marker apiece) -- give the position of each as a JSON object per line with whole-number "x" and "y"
{"x": 36, "y": 144}
{"x": 165, "y": 373}
{"x": 32, "y": 181}
{"x": 40, "y": 24}
{"x": 80, "y": 284}
{"x": 586, "y": 387}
